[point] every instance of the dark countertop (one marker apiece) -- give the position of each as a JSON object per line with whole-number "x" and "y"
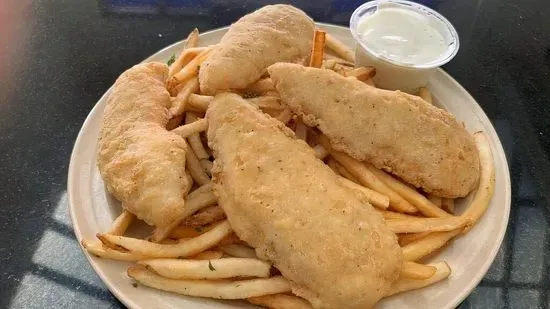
{"x": 58, "y": 57}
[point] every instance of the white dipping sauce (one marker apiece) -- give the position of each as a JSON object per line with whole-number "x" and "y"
{"x": 401, "y": 35}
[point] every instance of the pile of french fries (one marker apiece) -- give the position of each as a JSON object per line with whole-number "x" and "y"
{"x": 199, "y": 255}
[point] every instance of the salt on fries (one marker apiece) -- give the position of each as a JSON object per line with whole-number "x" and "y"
{"x": 199, "y": 255}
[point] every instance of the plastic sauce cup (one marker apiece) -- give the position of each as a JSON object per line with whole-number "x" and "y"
{"x": 392, "y": 74}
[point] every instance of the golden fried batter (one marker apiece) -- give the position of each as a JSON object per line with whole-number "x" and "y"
{"x": 395, "y": 131}
{"x": 279, "y": 198}
{"x": 142, "y": 164}
{"x": 257, "y": 40}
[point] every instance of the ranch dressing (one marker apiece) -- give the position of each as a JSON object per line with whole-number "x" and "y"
{"x": 401, "y": 35}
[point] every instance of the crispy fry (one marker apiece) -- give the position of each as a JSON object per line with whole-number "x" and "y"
{"x": 219, "y": 289}
{"x": 345, "y": 173}
{"x": 486, "y": 187}
{"x": 405, "y": 239}
{"x": 280, "y": 301}
{"x": 231, "y": 239}
{"x": 237, "y": 250}
{"x": 320, "y": 152}
{"x": 318, "y": 49}
{"x": 195, "y": 127}
{"x": 198, "y": 199}
{"x": 207, "y": 166}
{"x": 208, "y": 269}
{"x": 392, "y": 215}
{"x": 436, "y": 200}
{"x": 367, "y": 178}
{"x": 418, "y": 225}
{"x": 178, "y": 104}
{"x": 332, "y": 164}
{"x": 425, "y": 94}
{"x": 448, "y": 204}
{"x": 426, "y": 207}
{"x": 207, "y": 255}
{"x": 207, "y": 216}
{"x": 267, "y": 102}
{"x": 261, "y": 87}
{"x": 406, "y": 284}
{"x": 421, "y": 248}
{"x": 362, "y": 73}
{"x": 190, "y": 70}
{"x": 100, "y": 250}
{"x": 301, "y": 130}
{"x": 198, "y": 103}
{"x": 365, "y": 194}
{"x": 195, "y": 139}
{"x": 183, "y": 249}
{"x": 339, "y": 48}
{"x": 121, "y": 223}
{"x": 417, "y": 271}
{"x": 195, "y": 168}
{"x": 189, "y": 51}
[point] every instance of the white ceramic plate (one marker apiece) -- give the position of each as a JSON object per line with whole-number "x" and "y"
{"x": 93, "y": 210}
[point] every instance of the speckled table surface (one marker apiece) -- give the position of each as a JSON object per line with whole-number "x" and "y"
{"x": 58, "y": 57}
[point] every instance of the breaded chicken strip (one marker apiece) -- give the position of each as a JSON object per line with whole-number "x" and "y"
{"x": 142, "y": 164}
{"x": 395, "y": 131}
{"x": 279, "y": 198}
{"x": 271, "y": 34}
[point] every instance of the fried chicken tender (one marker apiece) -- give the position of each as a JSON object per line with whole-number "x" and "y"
{"x": 271, "y": 34}
{"x": 142, "y": 164}
{"x": 400, "y": 133}
{"x": 336, "y": 251}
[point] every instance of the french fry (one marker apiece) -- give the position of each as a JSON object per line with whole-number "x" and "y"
{"x": 320, "y": 152}
{"x": 421, "y": 248}
{"x": 185, "y": 232}
{"x": 407, "y": 284}
{"x": 448, "y": 204}
{"x": 284, "y": 116}
{"x": 365, "y": 194}
{"x": 417, "y": 271}
{"x": 231, "y": 239}
{"x": 331, "y": 60}
{"x": 318, "y": 49}
{"x": 332, "y": 164}
{"x": 183, "y": 249}
{"x": 262, "y": 86}
{"x": 486, "y": 186}
{"x": 189, "y": 183}
{"x": 392, "y": 215}
{"x": 195, "y": 168}
{"x": 237, "y": 250}
{"x": 420, "y": 202}
{"x": 280, "y": 301}
{"x": 190, "y": 70}
{"x": 267, "y": 102}
{"x": 367, "y": 178}
{"x": 198, "y": 103}
{"x": 207, "y": 166}
{"x": 207, "y": 255}
{"x": 195, "y": 139}
{"x": 425, "y": 94}
{"x": 345, "y": 173}
{"x": 206, "y": 216}
{"x": 405, "y": 239}
{"x": 121, "y": 223}
{"x": 301, "y": 130}
{"x": 174, "y": 122}
{"x": 189, "y": 51}
{"x": 362, "y": 73}
{"x": 179, "y": 102}
{"x": 208, "y": 269}
{"x": 196, "y": 127}
{"x": 339, "y": 48}
{"x": 198, "y": 199}
{"x": 219, "y": 289}
{"x": 436, "y": 200}
{"x": 100, "y": 250}
{"x": 419, "y": 225}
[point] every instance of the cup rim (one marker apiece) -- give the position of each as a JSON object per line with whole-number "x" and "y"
{"x": 445, "y": 58}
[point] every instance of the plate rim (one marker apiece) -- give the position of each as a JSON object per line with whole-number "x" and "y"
{"x": 478, "y": 111}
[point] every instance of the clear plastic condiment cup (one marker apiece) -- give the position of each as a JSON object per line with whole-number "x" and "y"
{"x": 392, "y": 74}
